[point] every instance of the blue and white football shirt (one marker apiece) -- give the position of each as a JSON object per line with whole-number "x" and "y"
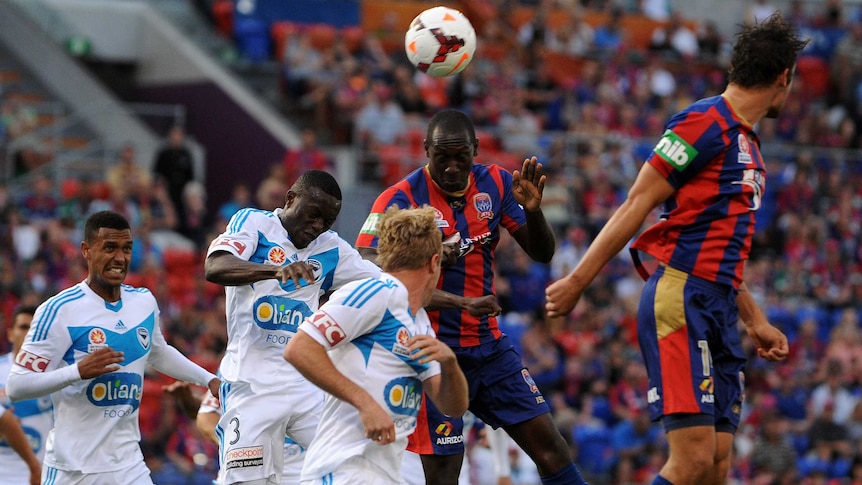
{"x": 263, "y": 316}
{"x": 365, "y": 326}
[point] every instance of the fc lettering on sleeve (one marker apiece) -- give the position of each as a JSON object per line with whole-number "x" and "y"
{"x": 32, "y": 362}
{"x": 329, "y": 328}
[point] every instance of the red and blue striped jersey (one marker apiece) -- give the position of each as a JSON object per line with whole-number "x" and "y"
{"x": 712, "y": 157}
{"x": 487, "y": 205}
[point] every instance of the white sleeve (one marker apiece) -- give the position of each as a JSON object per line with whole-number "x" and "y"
{"x": 352, "y": 266}
{"x": 39, "y": 368}
{"x": 240, "y": 237}
{"x": 168, "y": 360}
{"x": 31, "y": 385}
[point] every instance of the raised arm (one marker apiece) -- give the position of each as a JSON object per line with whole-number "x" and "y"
{"x": 648, "y": 191}
{"x": 536, "y": 237}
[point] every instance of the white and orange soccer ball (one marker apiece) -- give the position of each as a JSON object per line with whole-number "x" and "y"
{"x": 440, "y": 41}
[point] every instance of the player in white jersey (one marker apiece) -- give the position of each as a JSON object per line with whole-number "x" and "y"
{"x": 275, "y": 267}
{"x": 88, "y": 347}
{"x": 371, "y": 347}
{"x": 24, "y": 427}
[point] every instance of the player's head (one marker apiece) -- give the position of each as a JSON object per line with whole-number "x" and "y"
{"x": 313, "y": 203}
{"x": 107, "y": 248}
{"x": 21, "y": 318}
{"x": 450, "y": 145}
{"x": 765, "y": 55}
{"x": 408, "y": 239}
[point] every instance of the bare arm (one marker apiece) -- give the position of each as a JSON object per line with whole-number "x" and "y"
{"x": 223, "y": 268}
{"x": 448, "y": 389}
{"x": 206, "y": 424}
{"x": 536, "y": 236}
{"x": 12, "y": 432}
{"x": 771, "y": 343}
{"x": 312, "y": 361}
{"x": 649, "y": 190}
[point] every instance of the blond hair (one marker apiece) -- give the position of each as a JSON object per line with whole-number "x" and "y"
{"x": 407, "y": 238}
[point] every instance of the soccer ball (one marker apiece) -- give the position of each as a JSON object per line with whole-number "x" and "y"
{"x": 440, "y": 41}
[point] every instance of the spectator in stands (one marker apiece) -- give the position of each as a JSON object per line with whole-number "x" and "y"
{"x": 308, "y": 155}
{"x": 39, "y": 205}
{"x": 127, "y": 173}
{"x": 610, "y": 38}
{"x": 633, "y": 440}
{"x": 758, "y": 11}
{"x": 174, "y": 163}
{"x": 519, "y": 127}
{"x": 675, "y": 39}
{"x": 573, "y": 37}
{"x": 197, "y": 220}
{"x": 271, "y": 191}
{"x": 833, "y": 393}
{"x": 773, "y": 459}
{"x": 240, "y": 199}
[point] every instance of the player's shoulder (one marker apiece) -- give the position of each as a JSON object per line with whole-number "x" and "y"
{"x": 250, "y": 215}
{"x": 372, "y": 290}
{"x": 136, "y": 291}
{"x": 62, "y": 298}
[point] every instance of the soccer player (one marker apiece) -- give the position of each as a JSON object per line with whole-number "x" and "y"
{"x": 372, "y": 349}
{"x": 206, "y": 411}
{"x": 474, "y": 203}
{"x": 275, "y": 267}
{"x": 88, "y": 347}
{"x": 24, "y": 427}
{"x": 708, "y": 172}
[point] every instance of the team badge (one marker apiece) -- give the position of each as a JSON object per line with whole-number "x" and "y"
{"x": 144, "y": 337}
{"x": 482, "y": 203}
{"x": 529, "y": 380}
{"x": 97, "y": 339}
{"x": 400, "y": 345}
{"x": 276, "y": 255}
{"x": 744, "y": 150}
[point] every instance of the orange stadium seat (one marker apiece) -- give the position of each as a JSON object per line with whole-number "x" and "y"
{"x": 281, "y": 30}
{"x": 322, "y": 36}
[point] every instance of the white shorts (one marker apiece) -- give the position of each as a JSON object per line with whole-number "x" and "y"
{"x": 137, "y": 474}
{"x": 356, "y": 470}
{"x": 252, "y": 429}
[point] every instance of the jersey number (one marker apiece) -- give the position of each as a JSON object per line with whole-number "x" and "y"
{"x": 235, "y": 423}
{"x": 705, "y": 357}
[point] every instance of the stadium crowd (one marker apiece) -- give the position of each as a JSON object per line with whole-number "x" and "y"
{"x": 802, "y": 419}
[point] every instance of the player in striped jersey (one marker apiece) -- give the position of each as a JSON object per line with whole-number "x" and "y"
{"x": 372, "y": 349}
{"x": 708, "y": 172}
{"x": 89, "y": 347}
{"x": 473, "y": 203}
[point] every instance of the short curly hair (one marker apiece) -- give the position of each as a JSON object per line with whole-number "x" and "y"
{"x": 407, "y": 238}
{"x": 763, "y": 51}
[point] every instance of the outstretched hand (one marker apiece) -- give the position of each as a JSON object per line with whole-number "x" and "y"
{"x": 528, "y": 184}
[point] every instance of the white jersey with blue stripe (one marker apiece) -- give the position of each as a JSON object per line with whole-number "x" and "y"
{"x": 263, "y": 316}
{"x": 365, "y": 327}
{"x": 96, "y": 420}
{"x": 37, "y": 419}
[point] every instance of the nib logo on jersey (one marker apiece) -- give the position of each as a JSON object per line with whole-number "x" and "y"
{"x": 279, "y": 313}
{"x": 403, "y": 395}
{"x": 116, "y": 389}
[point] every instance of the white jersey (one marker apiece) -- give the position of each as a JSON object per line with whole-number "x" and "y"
{"x": 366, "y": 326}
{"x": 262, "y": 317}
{"x": 37, "y": 419}
{"x": 96, "y": 420}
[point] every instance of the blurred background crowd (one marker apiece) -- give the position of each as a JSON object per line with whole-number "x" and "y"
{"x": 584, "y": 85}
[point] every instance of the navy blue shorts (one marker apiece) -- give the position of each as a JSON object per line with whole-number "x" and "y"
{"x": 687, "y": 329}
{"x": 502, "y": 393}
